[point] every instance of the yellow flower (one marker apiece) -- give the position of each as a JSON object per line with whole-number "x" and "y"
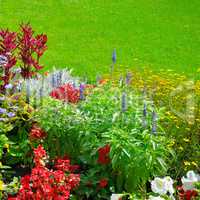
{"x": 186, "y": 140}
{"x": 195, "y": 164}
{"x": 1, "y": 185}
{"x": 6, "y": 146}
{"x": 187, "y": 163}
{"x": 181, "y": 148}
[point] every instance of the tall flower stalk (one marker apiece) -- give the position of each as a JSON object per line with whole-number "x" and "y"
{"x": 124, "y": 102}
{"x": 8, "y": 44}
{"x": 30, "y": 50}
{"x": 81, "y": 90}
{"x": 114, "y": 59}
{"x": 154, "y": 121}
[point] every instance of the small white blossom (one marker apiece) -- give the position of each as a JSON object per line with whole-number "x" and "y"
{"x": 169, "y": 184}
{"x": 116, "y": 196}
{"x": 158, "y": 185}
{"x": 189, "y": 181}
{"x": 9, "y": 86}
{"x": 155, "y": 198}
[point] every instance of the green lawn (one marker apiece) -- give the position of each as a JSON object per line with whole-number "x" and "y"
{"x": 160, "y": 34}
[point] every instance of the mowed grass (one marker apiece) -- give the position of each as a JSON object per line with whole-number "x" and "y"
{"x": 159, "y": 34}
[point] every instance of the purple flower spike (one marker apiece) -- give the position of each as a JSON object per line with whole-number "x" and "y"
{"x": 144, "y": 120}
{"x": 114, "y": 56}
{"x": 11, "y": 114}
{"x": 128, "y": 78}
{"x": 81, "y": 89}
{"x": 2, "y": 110}
{"x": 145, "y": 110}
{"x": 154, "y": 122}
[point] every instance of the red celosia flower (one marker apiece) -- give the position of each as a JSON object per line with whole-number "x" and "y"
{"x": 37, "y": 133}
{"x": 61, "y": 164}
{"x": 25, "y": 182}
{"x": 73, "y": 179}
{"x": 103, "y": 183}
{"x": 103, "y": 154}
{"x": 40, "y": 155}
{"x": 67, "y": 93}
{"x": 29, "y": 46}
{"x": 8, "y": 45}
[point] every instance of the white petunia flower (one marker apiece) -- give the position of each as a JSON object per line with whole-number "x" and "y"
{"x": 155, "y": 198}
{"x": 158, "y": 186}
{"x": 116, "y": 196}
{"x": 169, "y": 184}
{"x": 189, "y": 181}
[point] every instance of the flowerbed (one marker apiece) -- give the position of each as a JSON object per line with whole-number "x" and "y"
{"x": 121, "y": 141}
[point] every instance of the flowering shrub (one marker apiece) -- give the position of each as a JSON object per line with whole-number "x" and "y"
{"x": 164, "y": 187}
{"x": 188, "y": 189}
{"x": 20, "y": 47}
{"x": 181, "y": 119}
{"x": 15, "y": 122}
{"x": 44, "y": 183}
{"x": 105, "y": 135}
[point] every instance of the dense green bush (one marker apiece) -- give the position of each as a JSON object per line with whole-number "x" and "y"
{"x": 114, "y": 116}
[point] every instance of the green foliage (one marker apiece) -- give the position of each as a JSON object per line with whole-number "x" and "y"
{"x": 16, "y": 127}
{"x": 79, "y": 130}
{"x": 136, "y": 157}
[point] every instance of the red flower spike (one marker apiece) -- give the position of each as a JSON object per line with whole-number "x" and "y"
{"x": 31, "y": 47}
{"x": 8, "y": 44}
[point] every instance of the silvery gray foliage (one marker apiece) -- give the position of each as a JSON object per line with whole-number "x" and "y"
{"x": 98, "y": 78}
{"x": 124, "y": 102}
{"x": 3, "y": 60}
{"x": 121, "y": 81}
{"x": 28, "y": 91}
{"x": 42, "y": 85}
{"x": 144, "y": 119}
